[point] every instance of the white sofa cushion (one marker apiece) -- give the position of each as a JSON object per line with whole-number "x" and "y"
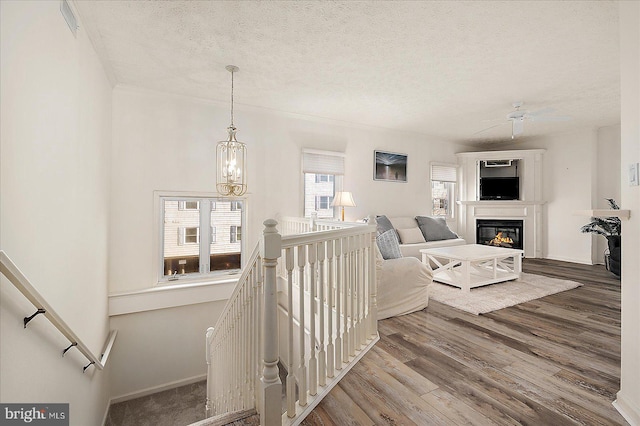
{"x": 411, "y": 236}
{"x": 403, "y": 222}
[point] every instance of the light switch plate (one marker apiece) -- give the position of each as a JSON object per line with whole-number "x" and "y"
{"x": 634, "y": 178}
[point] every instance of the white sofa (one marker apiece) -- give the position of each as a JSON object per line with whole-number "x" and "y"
{"x": 413, "y": 250}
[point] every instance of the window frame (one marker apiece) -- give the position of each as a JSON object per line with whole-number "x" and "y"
{"x": 205, "y": 237}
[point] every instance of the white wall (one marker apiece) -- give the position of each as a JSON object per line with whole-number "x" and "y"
{"x": 170, "y": 341}
{"x": 167, "y": 142}
{"x": 608, "y": 179}
{"x": 628, "y": 398}
{"x": 55, "y": 136}
{"x": 569, "y": 183}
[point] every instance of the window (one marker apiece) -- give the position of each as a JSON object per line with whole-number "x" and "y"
{"x": 191, "y": 246}
{"x": 323, "y": 171}
{"x": 188, "y": 205}
{"x": 189, "y": 235}
{"x": 323, "y": 202}
{"x": 443, "y": 181}
{"x": 324, "y": 178}
{"x": 236, "y": 234}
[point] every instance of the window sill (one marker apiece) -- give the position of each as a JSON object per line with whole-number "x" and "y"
{"x": 171, "y": 296}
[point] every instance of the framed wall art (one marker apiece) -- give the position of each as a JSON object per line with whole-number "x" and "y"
{"x": 389, "y": 166}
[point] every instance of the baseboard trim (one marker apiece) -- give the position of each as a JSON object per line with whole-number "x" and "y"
{"x": 627, "y": 409}
{"x": 566, "y": 259}
{"x": 159, "y": 388}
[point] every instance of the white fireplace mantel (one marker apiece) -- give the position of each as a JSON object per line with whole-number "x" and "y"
{"x": 529, "y": 208}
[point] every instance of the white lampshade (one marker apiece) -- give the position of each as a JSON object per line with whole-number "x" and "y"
{"x": 343, "y": 199}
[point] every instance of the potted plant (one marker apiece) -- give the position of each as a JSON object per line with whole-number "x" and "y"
{"x": 610, "y": 228}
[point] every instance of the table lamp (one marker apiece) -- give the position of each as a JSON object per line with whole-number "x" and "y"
{"x": 343, "y": 199}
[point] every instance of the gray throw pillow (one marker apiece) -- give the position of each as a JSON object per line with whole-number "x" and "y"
{"x": 389, "y": 245}
{"x": 384, "y": 224}
{"x": 435, "y": 228}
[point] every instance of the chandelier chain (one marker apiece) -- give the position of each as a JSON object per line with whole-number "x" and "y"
{"x": 231, "y": 98}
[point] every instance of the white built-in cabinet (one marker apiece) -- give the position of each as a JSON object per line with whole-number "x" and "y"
{"x": 529, "y": 208}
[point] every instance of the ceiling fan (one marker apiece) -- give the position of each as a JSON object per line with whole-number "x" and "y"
{"x": 518, "y": 116}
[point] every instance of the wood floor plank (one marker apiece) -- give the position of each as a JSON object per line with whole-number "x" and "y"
{"x": 399, "y": 371}
{"x": 455, "y": 410}
{"x": 337, "y": 408}
{"x": 551, "y": 361}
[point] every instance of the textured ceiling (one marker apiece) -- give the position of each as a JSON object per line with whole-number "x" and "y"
{"x": 445, "y": 69}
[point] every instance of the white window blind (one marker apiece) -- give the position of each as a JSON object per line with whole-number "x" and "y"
{"x": 323, "y": 162}
{"x": 443, "y": 173}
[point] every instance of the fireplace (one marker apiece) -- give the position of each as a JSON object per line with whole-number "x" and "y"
{"x": 500, "y": 233}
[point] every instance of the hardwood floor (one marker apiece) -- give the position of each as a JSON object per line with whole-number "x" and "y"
{"x": 551, "y": 361}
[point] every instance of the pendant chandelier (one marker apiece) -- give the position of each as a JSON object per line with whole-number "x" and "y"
{"x": 231, "y": 158}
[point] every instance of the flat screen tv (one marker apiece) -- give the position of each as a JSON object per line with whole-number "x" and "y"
{"x": 499, "y": 188}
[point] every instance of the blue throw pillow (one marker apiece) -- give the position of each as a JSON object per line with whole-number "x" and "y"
{"x": 435, "y": 228}
{"x": 389, "y": 245}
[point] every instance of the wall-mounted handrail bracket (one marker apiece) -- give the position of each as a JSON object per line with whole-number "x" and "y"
{"x": 69, "y": 347}
{"x": 87, "y": 366}
{"x": 27, "y": 319}
{"x": 21, "y": 283}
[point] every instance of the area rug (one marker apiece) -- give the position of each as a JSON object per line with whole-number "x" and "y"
{"x": 481, "y": 300}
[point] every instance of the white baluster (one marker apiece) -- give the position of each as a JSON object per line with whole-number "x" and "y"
{"x": 373, "y": 282}
{"x": 352, "y": 295}
{"x": 322, "y": 357}
{"x": 260, "y": 335}
{"x": 362, "y": 326}
{"x": 246, "y": 342}
{"x": 302, "y": 369}
{"x": 330, "y": 289}
{"x": 313, "y": 361}
{"x": 356, "y": 296}
{"x": 339, "y": 286}
{"x": 234, "y": 363}
{"x": 291, "y": 381}
{"x": 346, "y": 335}
{"x": 210, "y": 377}
{"x": 252, "y": 331}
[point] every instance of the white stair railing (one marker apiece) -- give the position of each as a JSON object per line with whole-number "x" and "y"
{"x": 305, "y": 301}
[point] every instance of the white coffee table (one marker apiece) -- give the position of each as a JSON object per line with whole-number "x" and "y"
{"x": 475, "y": 265}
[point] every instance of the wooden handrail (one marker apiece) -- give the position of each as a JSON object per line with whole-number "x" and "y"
{"x": 20, "y": 281}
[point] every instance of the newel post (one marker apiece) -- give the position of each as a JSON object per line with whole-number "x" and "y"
{"x": 270, "y": 250}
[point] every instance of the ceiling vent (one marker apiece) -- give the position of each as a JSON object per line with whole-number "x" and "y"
{"x": 69, "y": 16}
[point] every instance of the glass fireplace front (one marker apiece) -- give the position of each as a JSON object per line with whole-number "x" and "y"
{"x": 500, "y": 233}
